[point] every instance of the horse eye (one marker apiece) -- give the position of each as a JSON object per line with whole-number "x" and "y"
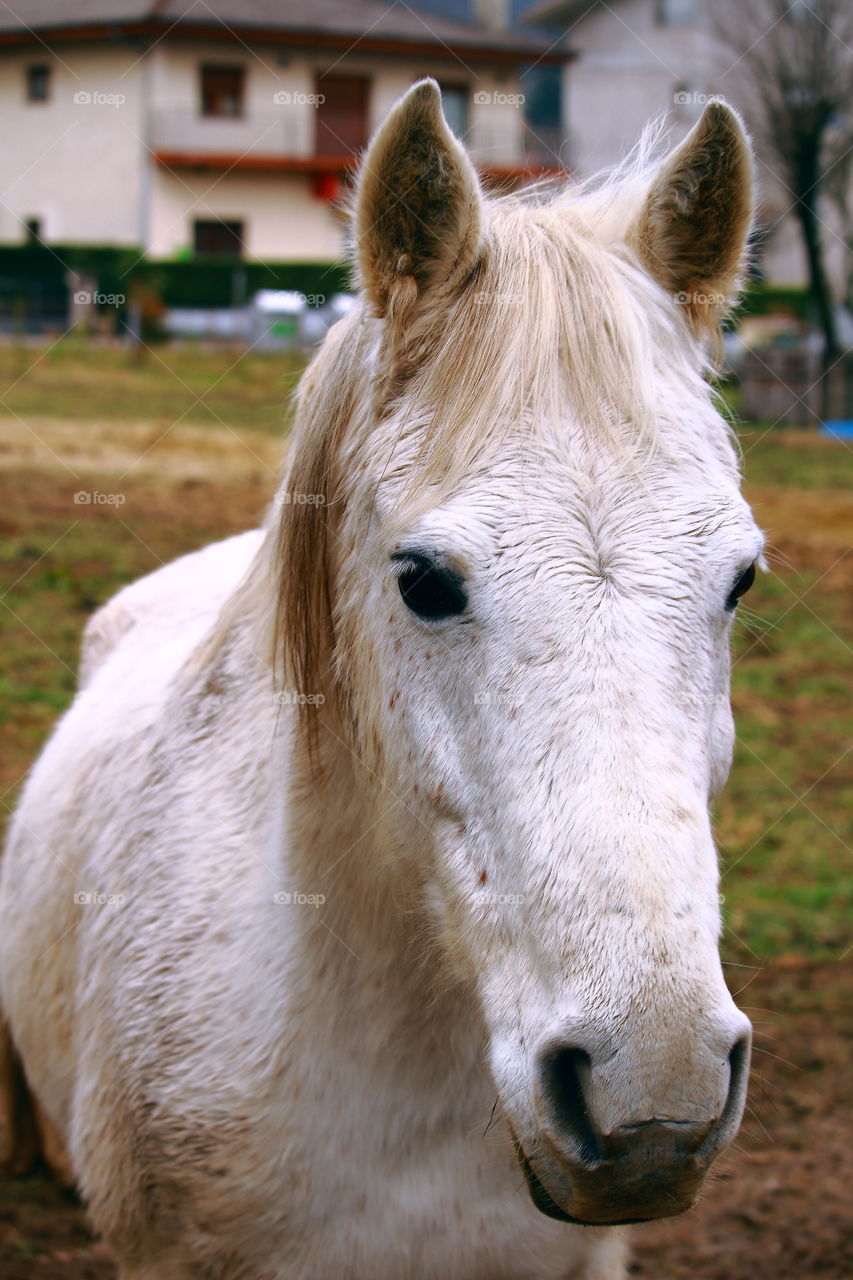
{"x": 741, "y": 587}
{"x": 430, "y": 590}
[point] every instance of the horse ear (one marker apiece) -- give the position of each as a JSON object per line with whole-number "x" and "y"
{"x": 693, "y": 230}
{"x": 418, "y": 207}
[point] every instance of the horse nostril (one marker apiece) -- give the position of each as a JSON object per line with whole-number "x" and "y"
{"x": 565, "y": 1076}
{"x": 739, "y": 1066}
{"x": 727, "y": 1125}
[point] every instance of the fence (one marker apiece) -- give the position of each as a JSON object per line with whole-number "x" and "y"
{"x": 32, "y": 306}
{"x": 785, "y": 387}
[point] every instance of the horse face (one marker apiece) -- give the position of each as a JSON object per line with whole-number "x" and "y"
{"x": 531, "y": 643}
{"x": 553, "y": 668}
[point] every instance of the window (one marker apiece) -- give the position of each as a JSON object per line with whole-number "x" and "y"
{"x": 454, "y": 101}
{"x": 675, "y": 13}
{"x": 222, "y": 91}
{"x": 215, "y": 239}
{"x": 32, "y": 230}
{"x": 341, "y": 107}
{"x": 800, "y": 11}
{"x": 38, "y": 83}
{"x": 543, "y": 115}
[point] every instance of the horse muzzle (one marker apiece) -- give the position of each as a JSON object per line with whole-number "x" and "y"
{"x": 644, "y": 1171}
{"x": 636, "y": 1172}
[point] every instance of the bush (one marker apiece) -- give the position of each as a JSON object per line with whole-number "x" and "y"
{"x": 34, "y": 271}
{"x": 762, "y": 299}
{"x": 233, "y": 283}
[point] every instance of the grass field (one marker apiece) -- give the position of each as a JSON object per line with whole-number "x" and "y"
{"x": 183, "y": 446}
{"x": 163, "y": 384}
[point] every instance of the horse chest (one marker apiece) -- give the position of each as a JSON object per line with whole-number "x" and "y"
{"x": 374, "y": 1184}
{"x": 451, "y": 1206}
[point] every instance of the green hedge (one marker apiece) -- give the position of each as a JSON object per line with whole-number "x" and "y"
{"x": 208, "y": 283}
{"x": 21, "y": 265}
{"x": 225, "y": 284}
{"x": 763, "y": 299}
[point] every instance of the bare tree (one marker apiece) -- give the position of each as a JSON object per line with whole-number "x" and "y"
{"x": 838, "y": 184}
{"x": 795, "y": 58}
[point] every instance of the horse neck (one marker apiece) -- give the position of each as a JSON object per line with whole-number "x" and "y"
{"x": 371, "y": 944}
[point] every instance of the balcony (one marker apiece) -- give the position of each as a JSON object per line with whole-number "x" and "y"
{"x": 283, "y": 133}
{"x": 282, "y": 139}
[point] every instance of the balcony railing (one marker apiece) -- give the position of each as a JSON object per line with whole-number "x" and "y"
{"x": 286, "y": 133}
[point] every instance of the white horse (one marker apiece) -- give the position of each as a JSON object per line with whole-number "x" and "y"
{"x": 370, "y": 877}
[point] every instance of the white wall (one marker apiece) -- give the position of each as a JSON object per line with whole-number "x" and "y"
{"x": 74, "y": 164}
{"x": 628, "y": 73}
{"x": 282, "y": 219}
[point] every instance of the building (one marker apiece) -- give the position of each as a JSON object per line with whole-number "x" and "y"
{"x": 203, "y": 128}
{"x": 640, "y": 60}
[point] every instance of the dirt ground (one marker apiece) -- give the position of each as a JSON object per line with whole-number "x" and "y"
{"x": 777, "y": 1206}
